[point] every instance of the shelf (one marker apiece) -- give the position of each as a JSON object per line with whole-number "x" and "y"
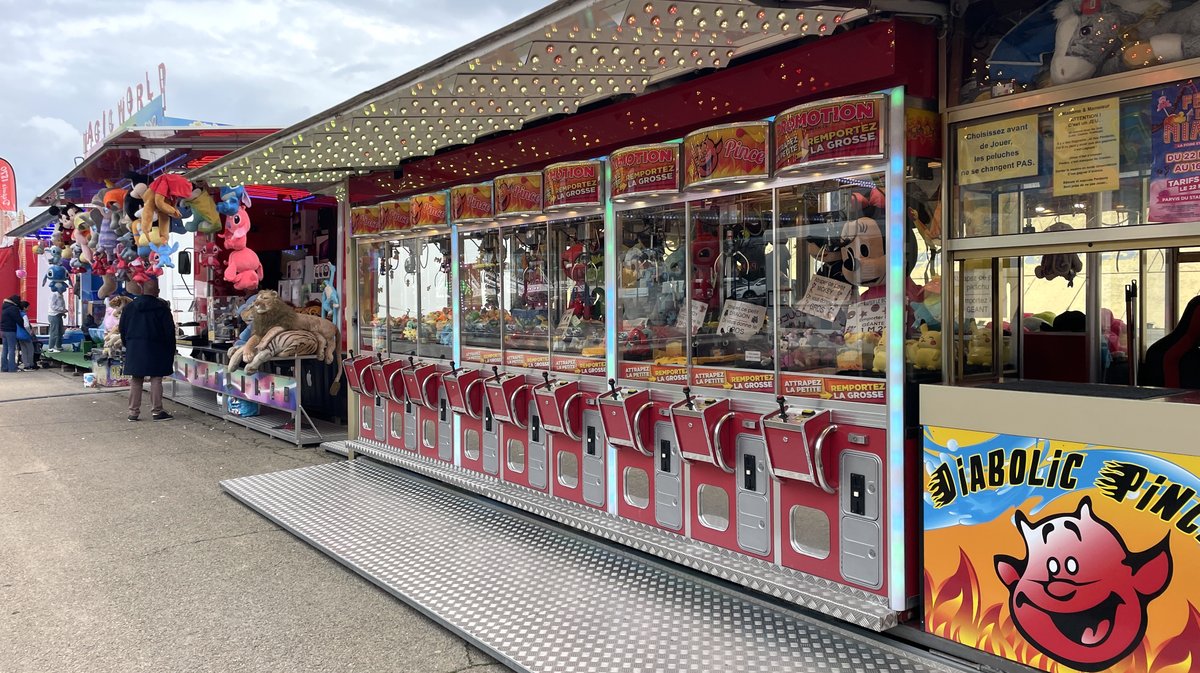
{"x": 268, "y": 422}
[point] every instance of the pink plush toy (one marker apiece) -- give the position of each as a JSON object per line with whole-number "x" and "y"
{"x": 244, "y": 269}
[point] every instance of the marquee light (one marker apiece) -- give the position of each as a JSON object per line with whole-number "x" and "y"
{"x": 601, "y": 51}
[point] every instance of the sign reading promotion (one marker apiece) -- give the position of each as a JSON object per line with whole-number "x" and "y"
{"x": 572, "y": 184}
{"x": 518, "y": 194}
{"x": 726, "y": 153}
{"x": 471, "y": 203}
{"x": 829, "y": 131}
{"x": 645, "y": 169}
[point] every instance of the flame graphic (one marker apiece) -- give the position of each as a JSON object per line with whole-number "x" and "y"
{"x": 953, "y": 610}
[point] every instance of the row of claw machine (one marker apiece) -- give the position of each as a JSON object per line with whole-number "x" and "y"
{"x": 715, "y": 339}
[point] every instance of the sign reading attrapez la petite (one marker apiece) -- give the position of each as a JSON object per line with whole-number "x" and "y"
{"x": 829, "y": 131}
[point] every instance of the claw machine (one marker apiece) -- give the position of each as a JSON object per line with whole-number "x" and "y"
{"x": 426, "y": 339}
{"x": 566, "y": 400}
{"x": 366, "y": 356}
{"x": 477, "y": 291}
{"x": 764, "y": 303}
{"x": 651, "y": 335}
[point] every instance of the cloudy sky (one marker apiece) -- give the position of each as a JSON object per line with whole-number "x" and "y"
{"x": 241, "y": 62}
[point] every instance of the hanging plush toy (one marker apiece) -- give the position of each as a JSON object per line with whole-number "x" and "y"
{"x": 163, "y": 255}
{"x": 232, "y": 200}
{"x": 205, "y": 218}
{"x": 1063, "y": 264}
{"x": 159, "y": 207}
{"x": 243, "y": 269}
{"x": 209, "y": 256}
{"x": 331, "y": 301}
{"x": 56, "y": 275}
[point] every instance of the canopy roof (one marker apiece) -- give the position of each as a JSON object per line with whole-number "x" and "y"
{"x": 150, "y": 150}
{"x": 570, "y": 55}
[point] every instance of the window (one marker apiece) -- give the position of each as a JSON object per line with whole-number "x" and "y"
{"x": 713, "y": 507}
{"x": 809, "y": 531}
{"x": 637, "y": 487}
{"x": 568, "y": 469}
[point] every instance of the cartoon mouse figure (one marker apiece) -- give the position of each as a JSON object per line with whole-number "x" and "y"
{"x": 1080, "y": 595}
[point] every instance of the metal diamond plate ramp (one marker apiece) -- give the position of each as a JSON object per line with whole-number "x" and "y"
{"x": 541, "y": 599}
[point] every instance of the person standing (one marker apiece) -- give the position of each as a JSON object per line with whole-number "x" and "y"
{"x": 25, "y": 340}
{"x": 10, "y": 317}
{"x": 58, "y": 312}
{"x": 148, "y": 332}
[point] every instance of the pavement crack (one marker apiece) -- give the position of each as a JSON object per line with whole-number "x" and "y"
{"x": 207, "y": 539}
{"x": 21, "y": 474}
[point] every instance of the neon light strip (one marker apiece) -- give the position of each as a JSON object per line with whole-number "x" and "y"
{"x": 456, "y": 342}
{"x": 610, "y": 319}
{"x": 896, "y": 311}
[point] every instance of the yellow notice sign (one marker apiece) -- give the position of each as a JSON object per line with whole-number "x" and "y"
{"x": 1086, "y": 147}
{"x": 999, "y": 150}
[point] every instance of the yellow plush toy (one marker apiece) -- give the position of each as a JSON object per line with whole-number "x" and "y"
{"x": 853, "y": 355}
{"x": 880, "y": 363}
{"x": 928, "y": 351}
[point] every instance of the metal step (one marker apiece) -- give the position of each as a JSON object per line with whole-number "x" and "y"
{"x": 539, "y": 598}
{"x": 837, "y": 600}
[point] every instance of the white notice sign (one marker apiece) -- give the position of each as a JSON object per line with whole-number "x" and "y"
{"x": 825, "y": 298}
{"x": 741, "y": 319}
{"x": 866, "y": 316}
{"x": 698, "y": 313}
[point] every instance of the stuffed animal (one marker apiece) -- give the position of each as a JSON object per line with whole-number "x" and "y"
{"x": 267, "y": 310}
{"x": 232, "y": 200}
{"x": 205, "y": 218}
{"x": 331, "y": 301}
{"x": 158, "y": 207}
{"x": 880, "y": 362}
{"x": 854, "y": 353}
{"x": 164, "y": 253}
{"x": 243, "y": 268}
{"x": 112, "y": 320}
{"x": 927, "y": 352}
{"x": 56, "y": 275}
{"x": 1106, "y": 36}
{"x": 83, "y": 239}
{"x": 1062, "y": 264}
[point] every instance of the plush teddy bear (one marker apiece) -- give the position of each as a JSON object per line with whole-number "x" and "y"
{"x": 1062, "y": 264}
{"x": 243, "y": 268}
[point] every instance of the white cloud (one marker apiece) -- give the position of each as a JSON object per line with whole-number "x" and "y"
{"x": 243, "y": 62}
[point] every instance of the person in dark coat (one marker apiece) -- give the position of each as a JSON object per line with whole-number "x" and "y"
{"x": 148, "y": 333}
{"x": 10, "y": 317}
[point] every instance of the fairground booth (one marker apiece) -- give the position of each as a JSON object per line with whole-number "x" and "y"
{"x": 93, "y": 242}
{"x": 800, "y": 313}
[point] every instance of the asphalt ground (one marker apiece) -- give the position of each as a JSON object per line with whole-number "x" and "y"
{"x": 119, "y": 552}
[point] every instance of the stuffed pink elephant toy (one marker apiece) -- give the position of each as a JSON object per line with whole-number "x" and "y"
{"x": 244, "y": 269}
